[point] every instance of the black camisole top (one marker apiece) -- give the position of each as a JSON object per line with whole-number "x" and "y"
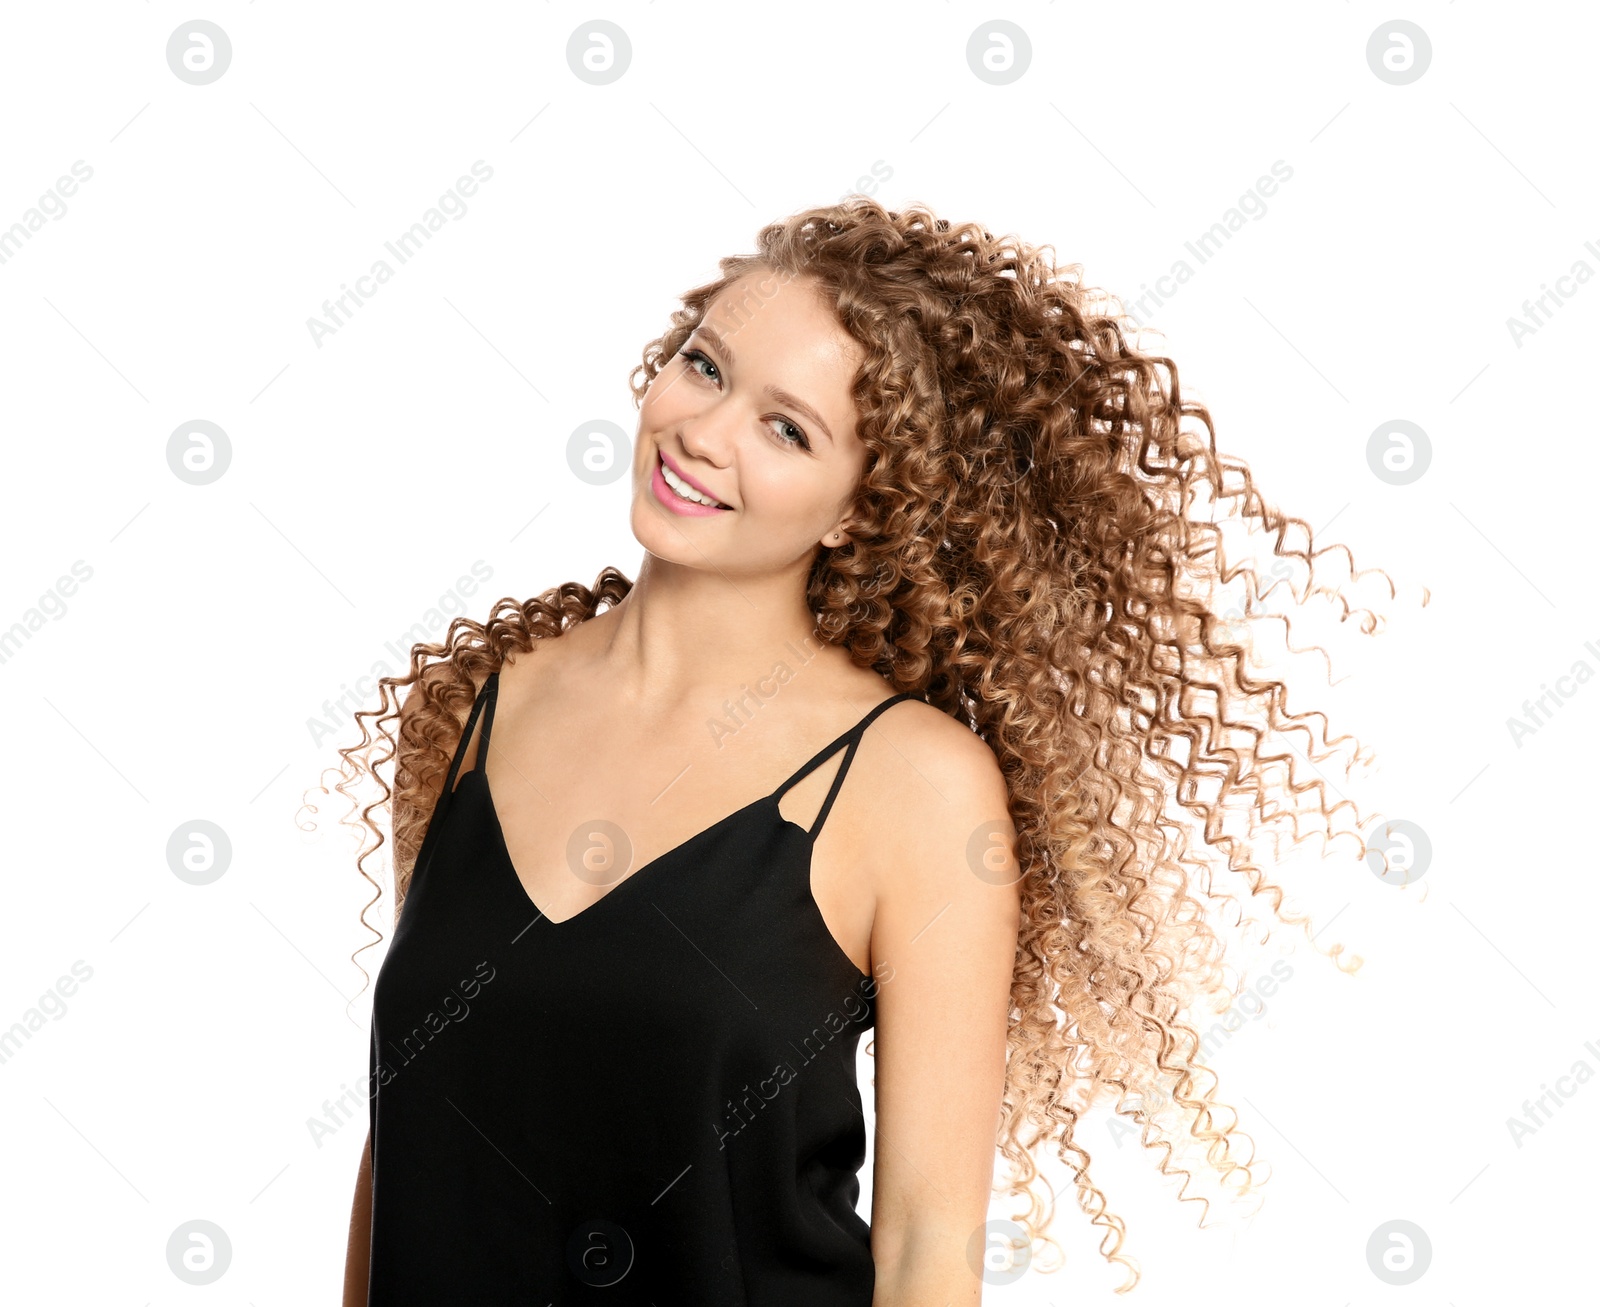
{"x": 651, "y": 1102}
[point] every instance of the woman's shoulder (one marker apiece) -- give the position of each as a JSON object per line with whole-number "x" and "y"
{"x": 934, "y": 811}
{"x": 921, "y": 764}
{"x": 943, "y": 746}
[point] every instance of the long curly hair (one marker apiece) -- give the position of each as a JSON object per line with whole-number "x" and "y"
{"x": 1039, "y": 554}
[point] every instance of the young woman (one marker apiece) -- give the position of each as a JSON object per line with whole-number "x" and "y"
{"x": 881, "y": 738}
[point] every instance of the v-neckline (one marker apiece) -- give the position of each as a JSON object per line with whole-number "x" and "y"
{"x": 848, "y": 739}
{"x": 620, "y": 885}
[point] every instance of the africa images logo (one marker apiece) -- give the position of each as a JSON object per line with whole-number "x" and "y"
{"x": 743, "y": 1112}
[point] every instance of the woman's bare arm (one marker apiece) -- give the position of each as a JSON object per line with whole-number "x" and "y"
{"x": 359, "y": 1252}
{"x": 947, "y": 920}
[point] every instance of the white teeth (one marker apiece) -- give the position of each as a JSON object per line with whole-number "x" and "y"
{"x": 683, "y": 489}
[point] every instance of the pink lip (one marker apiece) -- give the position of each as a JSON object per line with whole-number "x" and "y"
{"x": 685, "y": 475}
{"x": 669, "y": 498}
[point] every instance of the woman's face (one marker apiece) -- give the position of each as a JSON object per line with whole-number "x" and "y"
{"x": 754, "y": 411}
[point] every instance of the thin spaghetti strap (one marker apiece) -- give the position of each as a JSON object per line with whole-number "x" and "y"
{"x": 484, "y": 704}
{"x": 852, "y": 737}
{"x": 491, "y": 688}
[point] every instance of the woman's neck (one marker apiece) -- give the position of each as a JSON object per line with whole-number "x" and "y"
{"x": 681, "y": 633}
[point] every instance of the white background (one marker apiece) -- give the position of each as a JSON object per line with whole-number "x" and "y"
{"x": 186, "y": 677}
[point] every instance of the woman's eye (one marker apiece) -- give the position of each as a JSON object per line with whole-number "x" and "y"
{"x": 693, "y": 356}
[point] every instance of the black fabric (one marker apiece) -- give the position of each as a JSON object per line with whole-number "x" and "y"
{"x": 651, "y": 1102}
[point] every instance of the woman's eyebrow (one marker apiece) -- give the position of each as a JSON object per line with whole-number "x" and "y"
{"x": 776, "y": 392}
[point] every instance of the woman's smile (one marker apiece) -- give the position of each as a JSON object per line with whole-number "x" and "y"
{"x": 674, "y": 493}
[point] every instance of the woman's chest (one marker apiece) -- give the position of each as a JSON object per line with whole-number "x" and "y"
{"x": 731, "y": 913}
